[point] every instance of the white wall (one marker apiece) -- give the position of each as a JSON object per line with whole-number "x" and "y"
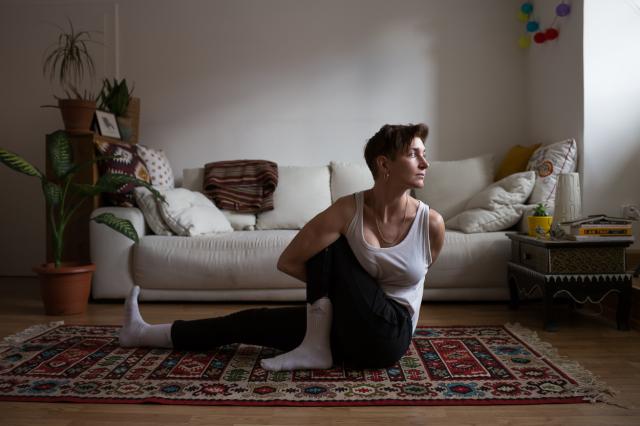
{"x": 554, "y": 76}
{"x": 612, "y": 106}
{"x": 294, "y": 81}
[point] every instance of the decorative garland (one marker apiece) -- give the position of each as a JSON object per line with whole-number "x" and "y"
{"x": 533, "y": 26}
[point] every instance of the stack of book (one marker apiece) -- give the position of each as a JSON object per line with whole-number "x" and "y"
{"x": 599, "y": 226}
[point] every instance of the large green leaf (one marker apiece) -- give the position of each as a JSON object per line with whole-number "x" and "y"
{"x": 52, "y": 192}
{"x": 86, "y": 189}
{"x": 18, "y": 163}
{"x": 60, "y": 154}
{"x": 122, "y": 226}
{"x": 111, "y": 182}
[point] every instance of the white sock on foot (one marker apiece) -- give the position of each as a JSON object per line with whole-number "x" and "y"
{"x": 315, "y": 350}
{"x": 136, "y": 332}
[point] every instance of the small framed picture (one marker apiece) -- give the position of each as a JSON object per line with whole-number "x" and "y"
{"x": 107, "y": 124}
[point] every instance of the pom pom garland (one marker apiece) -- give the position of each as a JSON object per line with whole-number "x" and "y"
{"x": 533, "y": 26}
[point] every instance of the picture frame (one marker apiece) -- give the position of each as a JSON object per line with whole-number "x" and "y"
{"x": 107, "y": 124}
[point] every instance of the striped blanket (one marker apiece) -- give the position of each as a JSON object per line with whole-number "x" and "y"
{"x": 244, "y": 186}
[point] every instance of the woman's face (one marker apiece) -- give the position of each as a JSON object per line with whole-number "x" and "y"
{"x": 410, "y": 166}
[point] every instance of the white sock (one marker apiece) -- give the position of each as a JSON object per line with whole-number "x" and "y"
{"x": 315, "y": 350}
{"x": 137, "y": 333}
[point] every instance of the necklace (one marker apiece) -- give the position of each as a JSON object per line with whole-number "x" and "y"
{"x": 404, "y": 218}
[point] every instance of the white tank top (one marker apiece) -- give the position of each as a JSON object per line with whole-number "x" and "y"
{"x": 399, "y": 270}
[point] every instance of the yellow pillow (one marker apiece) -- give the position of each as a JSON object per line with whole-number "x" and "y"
{"x": 515, "y": 161}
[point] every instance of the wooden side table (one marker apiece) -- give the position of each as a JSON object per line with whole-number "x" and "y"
{"x": 584, "y": 271}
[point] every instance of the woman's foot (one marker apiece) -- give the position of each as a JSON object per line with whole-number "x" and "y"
{"x": 136, "y": 332}
{"x": 315, "y": 350}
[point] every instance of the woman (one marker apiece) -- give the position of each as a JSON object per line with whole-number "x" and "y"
{"x": 364, "y": 260}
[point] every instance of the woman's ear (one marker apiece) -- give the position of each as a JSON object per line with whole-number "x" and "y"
{"x": 383, "y": 165}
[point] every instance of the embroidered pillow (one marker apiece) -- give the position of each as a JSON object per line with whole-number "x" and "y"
{"x": 158, "y": 165}
{"x": 548, "y": 162}
{"x": 127, "y": 162}
{"x": 150, "y": 210}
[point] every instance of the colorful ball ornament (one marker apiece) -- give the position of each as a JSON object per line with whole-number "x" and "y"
{"x": 551, "y": 34}
{"x": 563, "y": 9}
{"x": 522, "y": 17}
{"x": 524, "y": 42}
{"x": 532, "y": 26}
{"x": 527, "y": 8}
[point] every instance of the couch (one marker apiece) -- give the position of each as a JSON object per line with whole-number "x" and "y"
{"x": 240, "y": 265}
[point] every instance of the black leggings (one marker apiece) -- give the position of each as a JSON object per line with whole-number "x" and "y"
{"x": 369, "y": 330}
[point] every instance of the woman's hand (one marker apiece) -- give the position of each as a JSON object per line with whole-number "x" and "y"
{"x": 319, "y": 233}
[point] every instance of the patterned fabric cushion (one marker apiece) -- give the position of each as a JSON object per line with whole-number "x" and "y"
{"x": 128, "y": 163}
{"x": 548, "y": 162}
{"x": 158, "y": 165}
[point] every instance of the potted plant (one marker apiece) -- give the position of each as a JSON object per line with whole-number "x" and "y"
{"x": 68, "y": 61}
{"x": 116, "y": 98}
{"x": 65, "y": 285}
{"x": 540, "y": 222}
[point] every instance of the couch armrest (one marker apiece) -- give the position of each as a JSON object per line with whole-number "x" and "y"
{"x": 112, "y": 253}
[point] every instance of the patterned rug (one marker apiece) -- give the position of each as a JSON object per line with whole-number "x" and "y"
{"x": 487, "y": 365}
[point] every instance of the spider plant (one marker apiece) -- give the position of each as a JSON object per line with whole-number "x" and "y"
{"x": 68, "y": 61}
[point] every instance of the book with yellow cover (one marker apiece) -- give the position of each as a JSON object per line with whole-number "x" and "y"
{"x": 602, "y": 231}
{"x": 628, "y": 238}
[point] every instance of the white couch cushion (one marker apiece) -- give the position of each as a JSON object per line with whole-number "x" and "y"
{"x": 348, "y": 178}
{"x": 147, "y": 203}
{"x": 190, "y": 213}
{"x": 192, "y": 179}
{"x": 213, "y": 262}
{"x": 470, "y": 261}
{"x": 302, "y": 193}
{"x": 448, "y": 185}
{"x": 497, "y": 207}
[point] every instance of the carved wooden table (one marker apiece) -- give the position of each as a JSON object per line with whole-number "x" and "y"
{"x": 584, "y": 271}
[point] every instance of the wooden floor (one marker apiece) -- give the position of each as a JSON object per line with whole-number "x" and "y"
{"x": 583, "y": 336}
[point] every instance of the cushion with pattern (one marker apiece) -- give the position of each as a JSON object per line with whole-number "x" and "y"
{"x": 158, "y": 165}
{"x": 126, "y": 162}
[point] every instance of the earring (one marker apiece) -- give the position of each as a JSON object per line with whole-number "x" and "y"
{"x": 386, "y": 177}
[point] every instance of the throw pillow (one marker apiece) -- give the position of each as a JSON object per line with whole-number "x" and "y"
{"x": 127, "y": 162}
{"x": 302, "y": 193}
{"x": 190, "y": 213}
{"x": 448, "y": 185}
{"x": 158, "y": 165}
{"x": 515, "y": 161}
{"x": 497, "y": 207}
{"x": 347, "y": 178}
{"x": 193, "y": 179}
{"x": 149, "y": 207}
{"x": 548, "y": 162}
{"x": 240, "y": 221}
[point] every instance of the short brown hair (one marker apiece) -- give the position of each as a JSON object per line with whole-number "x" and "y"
{"x": 391, "y": 139}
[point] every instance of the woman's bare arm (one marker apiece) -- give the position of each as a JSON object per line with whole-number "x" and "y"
{"x": 436, "y": 234}
{"x": 317, "y": 234}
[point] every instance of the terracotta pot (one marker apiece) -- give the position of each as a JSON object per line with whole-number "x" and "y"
{"x": 77, "y": 114}
{"x": 539, "y": 226}
{"x": 65, "y": 290}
